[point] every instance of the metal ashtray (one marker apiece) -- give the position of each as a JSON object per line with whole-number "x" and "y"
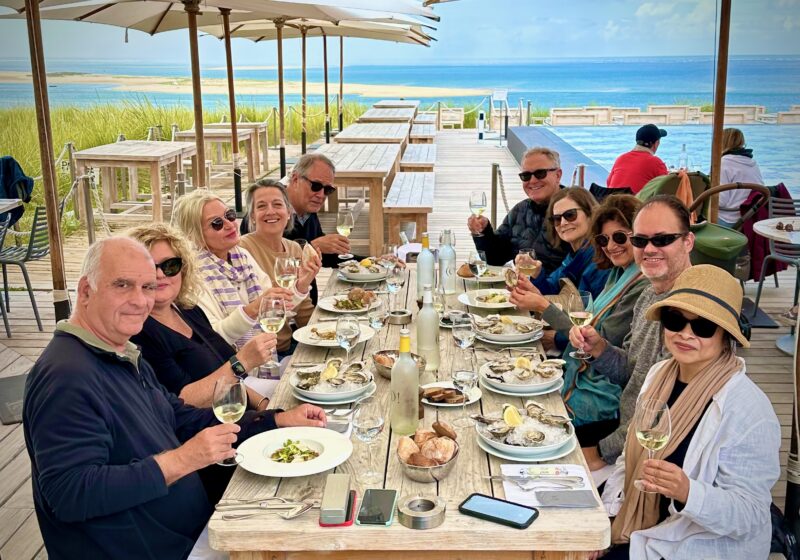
{"x": 421, "y": 512}
{"x": 399, "y": 317}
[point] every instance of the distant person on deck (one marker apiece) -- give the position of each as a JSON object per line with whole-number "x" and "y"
{"x": 636, "y": 168}
{"x": 738, "y": 166}
{"x": 524, "y": 226}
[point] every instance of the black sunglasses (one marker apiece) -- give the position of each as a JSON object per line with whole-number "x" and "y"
{"x": 570, "y": 215}
{"x": 662, "y": 240}
{"x": 673, "y": 320}
{"x": 217, "y": 223}
{"x": 620, "y": 238}
{"x": 316, "y": 186}
{"x": 538, "y": 173}
{"x": 171, "y": 267}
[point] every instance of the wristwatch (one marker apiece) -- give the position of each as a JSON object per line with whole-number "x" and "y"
{"x": 238, "y": 368}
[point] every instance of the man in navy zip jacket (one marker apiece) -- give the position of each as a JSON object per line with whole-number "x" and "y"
{"x": 113, "y": 454}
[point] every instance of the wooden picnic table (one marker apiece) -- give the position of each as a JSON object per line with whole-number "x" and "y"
{"x": 375, "y": 133}
{"x": 422, "y": 133}
{"x": 262, "y": 138}
{"x": 380, "y": 115}
{"x": 133, "y": 154}
{"x": 397, "y": 104}
{"x": 557, "y": 533}
{"x": 223, "y": 136}
{"x": 365, "y": 165}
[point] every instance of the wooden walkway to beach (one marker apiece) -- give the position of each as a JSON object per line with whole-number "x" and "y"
{"x": 462, "y": 165}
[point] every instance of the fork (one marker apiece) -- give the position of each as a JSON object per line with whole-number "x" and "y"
{"x": 296, "y": 511}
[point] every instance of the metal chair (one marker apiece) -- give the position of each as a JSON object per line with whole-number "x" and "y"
{"x": 3, "y": 230}
{"x": 38, "y": 246}
{"x": 788, "y": 253}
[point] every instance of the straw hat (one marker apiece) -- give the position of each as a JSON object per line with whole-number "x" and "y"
{"x": 709, "y": 292}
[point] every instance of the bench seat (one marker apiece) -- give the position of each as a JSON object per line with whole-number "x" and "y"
{"x": 410, "y": 199}
{"x": 418, "y": 157}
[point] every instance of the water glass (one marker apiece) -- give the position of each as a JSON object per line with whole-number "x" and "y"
{"x": 463, "y": 331}
{"x": 368, "y": 421}
{"x": 388, "y": 257}
{"x": 395, "y": 279}
{"x": 378, "y": 314}
{"x": 464, "y": 377}
{"x": 477, "y": 264}
{"x": 347, "y": 334}
{"x": 229, "y": 403}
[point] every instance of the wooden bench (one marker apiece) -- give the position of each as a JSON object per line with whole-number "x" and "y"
{"x": 410, "y": 199}
{"x": 418, "y": 157}
{"x": 425, "y": 118}
{"x": 422, "y": 134}
{"x": 452, "y": 116}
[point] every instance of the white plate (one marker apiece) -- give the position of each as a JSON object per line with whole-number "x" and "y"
{"x": 557, "y": 385}
{"x": 329, "y": 304}
{"x": 515, "y": 388}
{"x": 319, "y": 396}
{"x": 514, "y": 336}
{"x": 368, "y": 391}
{"x": 567, "y": 448}
{"x": 333, "y": 448}
{"x": 519, "y": 451}
{"x": 534, "y": 337}
{"x": 304, "y": 335}
{"x": 474, "y": 395}
{"x": 468, "y": 298}
{"x": 344, "y": 278}
{"x": 500, "y": 277}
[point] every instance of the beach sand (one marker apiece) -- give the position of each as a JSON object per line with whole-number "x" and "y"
{"x": 160, "y": 84}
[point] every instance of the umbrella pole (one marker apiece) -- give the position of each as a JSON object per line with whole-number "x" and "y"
{"x": 792, "y": 505}
{"x": 237, "y": 171}
{"x": 192, "y": 9}
{"x": 303, "y": 102}
{"x": 327, "y": 104}
{"x": 719, "y": 104}
{"x": 341, "y": 84}
{"x": 282, "y": 124}
{"x": 60, "y": 296}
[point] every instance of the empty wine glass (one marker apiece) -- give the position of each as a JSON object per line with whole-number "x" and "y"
{"x": 477, "y": 205}
{"x": 229, "y": 403}
{"x": 653, "y": 427}
{"x": 477, "y": 265}
{"x": 388, "y": 257}
{"x": 395, "y": 279}
{"x": 344, "y": 225}
{"x": 368, "y": 421}
{"x": 581, "y": 315}
{"x": 347, "y": 334}
{"x": 463, "y": 331}
{"x": 302, "y": 243}
{"x": 378, "y": 314}
{"x": 464, "y": 378}
{"x": 440, "y": 300}
{"x": 286, "y": 271}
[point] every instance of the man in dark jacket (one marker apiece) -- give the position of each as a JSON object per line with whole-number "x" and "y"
{"x": 114, "y": 456}
{"x": 523, "y": 227}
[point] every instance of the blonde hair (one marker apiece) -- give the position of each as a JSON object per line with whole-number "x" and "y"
{"x": 552, "y": 155}
{"x": 732, "y": 139}
{"x": 188, "y": 215}
{"x": 150, "y": 234}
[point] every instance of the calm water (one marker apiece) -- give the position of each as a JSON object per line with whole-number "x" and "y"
{"x": 766, "y": 80}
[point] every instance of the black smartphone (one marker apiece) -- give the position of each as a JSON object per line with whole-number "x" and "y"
{"x": 377, "y": 507}
{"x": 499, "y": 511}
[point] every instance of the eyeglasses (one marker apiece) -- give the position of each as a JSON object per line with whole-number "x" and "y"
{"x": 171, "y": 267}
{"x": 538, "y": 173}
{"x": 619, "y": 237}
{"x": 570, "y": 215}
{"x": 316, "y": 186}
{"x": 217, "y": 223}
{"x": 662, "y": 240}
{"x": 674, "y": 321}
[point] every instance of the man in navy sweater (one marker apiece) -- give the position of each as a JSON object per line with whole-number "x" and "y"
{"x": 114, "y": 456}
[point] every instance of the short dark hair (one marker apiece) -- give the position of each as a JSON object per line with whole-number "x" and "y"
{"x": 615, "y": 208}
{"x": 582, "y": 197}
{"x": 672, "y": 202}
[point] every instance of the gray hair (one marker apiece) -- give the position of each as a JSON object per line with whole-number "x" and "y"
{"x": 307, "y": 160}
{"x": 90, "y": 269}
{"x": 250, "y": 201}
{"x": 187, "y": 215}
{"x": 551, "y": 154}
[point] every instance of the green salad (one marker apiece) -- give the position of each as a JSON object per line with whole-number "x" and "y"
{"x": 293, "y": 452}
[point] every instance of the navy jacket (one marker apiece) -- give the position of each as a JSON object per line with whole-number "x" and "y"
{"x": 14, "y": 184}
{"x": 580, "y": 268}
{"x": 93, "y": 421}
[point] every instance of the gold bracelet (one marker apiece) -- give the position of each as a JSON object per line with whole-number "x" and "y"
{"x": 261, "y": 401}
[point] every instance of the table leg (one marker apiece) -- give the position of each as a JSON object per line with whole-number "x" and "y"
{"x": 155, "y": 188}
{"x": 195, "y": 163}
{"x": 172, "y": 177}
{"x": 248, "y": 145}
{"x": 265, "y": 148}
{"x": 333, "y": 202}
{"x": 108, "y": 184}
{"x": 133, "y": 182}
{"x": 80, "y": 195}
{"x": 375, "y": 216}
{"x": 256, "y": 151}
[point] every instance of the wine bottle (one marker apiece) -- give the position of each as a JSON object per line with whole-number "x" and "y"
{"x": 404, "y": 414}
{"x": 428, "y": 331}
{"x": 447, "y": 263}
{"x": 425, "y": 266}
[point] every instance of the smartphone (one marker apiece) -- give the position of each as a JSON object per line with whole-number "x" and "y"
{"x": 377, "y": 507}
{"x": 499, "y": 511}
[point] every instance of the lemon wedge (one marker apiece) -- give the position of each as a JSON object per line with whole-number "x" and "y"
{"x": 522, "y": 363}
{"x": 366, "y": 262}
{"x": 506, "y": 320}
{"x": 329, "y": 373}
{"x": 511, "y": 415}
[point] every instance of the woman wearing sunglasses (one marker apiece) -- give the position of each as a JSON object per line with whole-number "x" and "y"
{"x": 568, "y": 218}
{"x": 707, "y": 492}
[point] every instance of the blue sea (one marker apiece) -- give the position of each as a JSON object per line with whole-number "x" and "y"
{"x": 773, "y": 81}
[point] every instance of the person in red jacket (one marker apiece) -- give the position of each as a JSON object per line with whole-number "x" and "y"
{"x": 634, "y": 169}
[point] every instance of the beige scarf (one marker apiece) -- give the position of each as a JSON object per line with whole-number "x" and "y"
{"x": 640, "y": 510}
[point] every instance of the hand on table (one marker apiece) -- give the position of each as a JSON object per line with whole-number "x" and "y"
{"x": 332, "y": 243}
{"x": 666, "y": 478}
{"x": 303, "y": 415}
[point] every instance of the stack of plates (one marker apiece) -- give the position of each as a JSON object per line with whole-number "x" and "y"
{"x": 519, "y": 453}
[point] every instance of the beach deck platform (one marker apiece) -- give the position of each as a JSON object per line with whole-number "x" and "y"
{"x": 462, "y": 164}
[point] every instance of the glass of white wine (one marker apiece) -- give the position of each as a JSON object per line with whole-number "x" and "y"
{"x": 581, "y": 314}
{"x": 477, "y": 205}
{"x": 347, "y": 334}
{"x": 229, "y": 403}
{"x": 464, "y": 377}
{"x": 440, "y": 301}
{"x": 368, "y": 421}
{"x": 525, "y": 262}
{"x": 344, "y": 225}
{"x": 286, "y": 271}
{"x": 271, "y": 319}
{"x": 653, "y": 427}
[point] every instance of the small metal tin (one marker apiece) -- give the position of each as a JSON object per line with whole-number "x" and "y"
{"x": 399, "y": 317}
{"x": 421, "y": 512}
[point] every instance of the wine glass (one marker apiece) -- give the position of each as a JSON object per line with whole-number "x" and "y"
{"x": 464, "y": 379}
{"x": 477, "y": 265}
{"x": 344, "y": 225}
{"x": 440, "y": 300}
{"x": 388, "y": 257}
{"x": 525, "y": 262}
{"x": 463, "y": 331}
{"x": 580, "y": 313}
{"x": 477, "y": 205}
{"x": 368, "y": 421}
{"x": 378, "y": 314}
{"x": 653, "y": 427}
{"x": 229, "y": 403}
{"x": 347, "y": 334}
{"x": 395, "y": 279}
{"x": 272, "y": 316}
{"x": 286, "y": 271}
{"x": 302, "y": 243}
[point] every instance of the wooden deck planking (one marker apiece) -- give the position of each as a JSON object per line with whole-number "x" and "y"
{"x": 462, "y": 165}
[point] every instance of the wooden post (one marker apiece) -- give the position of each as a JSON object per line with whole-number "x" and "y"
{"x": 341, "y": 84}
{"x": 49, "y": 182}
{"x": 438, "y": 115}
{"x": 303, "y": 104}
{"x": 77, "y": 197}
{"x": 495, "y": 171}
{"x": 237, "y": 171}
{"x": 192, "y": 9}
{"x": 719, "y": 104}
{"x": 528, "y": 114}
{"x": 282, "y": 125}
{"x": 519, "y": 110}
{"x": 327, "y": 102}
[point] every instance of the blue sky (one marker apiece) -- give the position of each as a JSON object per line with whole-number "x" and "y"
{"x": 477, "y": 31}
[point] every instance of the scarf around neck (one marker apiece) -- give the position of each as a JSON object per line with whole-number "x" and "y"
{"x": 746, "y": 152}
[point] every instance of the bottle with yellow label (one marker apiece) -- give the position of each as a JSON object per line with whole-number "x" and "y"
{"x": 405, "y": 390}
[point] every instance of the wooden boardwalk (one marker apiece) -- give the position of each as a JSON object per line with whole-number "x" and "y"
{"x": 462, "y": 165}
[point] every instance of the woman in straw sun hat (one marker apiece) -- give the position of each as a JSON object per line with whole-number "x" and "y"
{"x": 707, "y": 491}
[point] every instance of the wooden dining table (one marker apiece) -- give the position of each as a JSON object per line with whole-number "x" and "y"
{"x": 375, "y": 133}
{"x": 223, "y": 135}
{"x": 388, "y": 115}
{"x": 397, "y": 104}
{"x": 261, "y": 139}
{"x": 556, "y": 533}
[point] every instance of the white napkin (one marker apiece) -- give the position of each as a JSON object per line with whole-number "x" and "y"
{"x": 528, "y": 497}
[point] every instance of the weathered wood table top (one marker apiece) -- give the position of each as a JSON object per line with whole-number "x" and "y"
{"x": 137, "y": 150}
{"x": 394, "y": 115}
{"x": 374, "y": 133}
{"x": 396, "y": 104}
{"x": 217, "y": 134}
{"x": 361, "y": 160}
{"x": 555, "y": 531}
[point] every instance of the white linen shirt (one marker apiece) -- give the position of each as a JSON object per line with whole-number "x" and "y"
{"x": 732, "y": 463}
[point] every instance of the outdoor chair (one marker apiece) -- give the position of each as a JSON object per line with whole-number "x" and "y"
{"x": 38, "y": 246}
{"x": 3, "y": 230}
{"x": 788, "y": 253}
